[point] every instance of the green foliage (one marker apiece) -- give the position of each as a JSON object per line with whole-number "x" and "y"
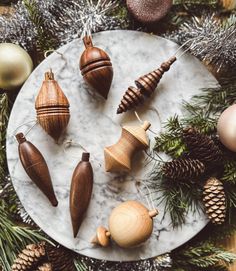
{"x": 196, "y": 2}
{"x": 13, "y": 239}
{"x": 203, "y": 256}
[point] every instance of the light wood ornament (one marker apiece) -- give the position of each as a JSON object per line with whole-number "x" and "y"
{"x": 80, "y": 192}
{"x": 96, "y": 67}
{"x": 36, "y": 168}
{"x": 52, "y": 107}
{"x": 118, "y": 156}
{"x": 130, "y": 224}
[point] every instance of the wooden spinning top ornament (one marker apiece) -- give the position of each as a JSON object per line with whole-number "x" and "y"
{"x": 118, "y": 156}
{"x": 96, "y": 68}
{"x": 145, "y": 86}
{"x": 52, "y": 107}
{"x": 80, "y": 192}
{"x": 36, "y": 168}
{"x": 130, "y": 224}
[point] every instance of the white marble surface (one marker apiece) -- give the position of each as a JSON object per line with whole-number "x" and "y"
{"x": 94, "y": 124}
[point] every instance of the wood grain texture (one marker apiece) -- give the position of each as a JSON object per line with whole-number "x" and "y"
{"x": 130, "y": 224}
{"x": 118, "y": 156}
{"x": 36, "y": 168}
{"x": 80, "y": 192}
{"x": 145, "y": 86}
{"x": 96, "y": 68}
{"x": 52, "y": 107}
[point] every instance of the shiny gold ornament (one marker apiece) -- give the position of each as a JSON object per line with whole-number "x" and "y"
{"x": 229, "y": 4}
{"x": 130, "y": 224}
{"x": 15, "y": 66}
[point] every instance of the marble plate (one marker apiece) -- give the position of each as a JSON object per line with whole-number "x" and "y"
{"x": 94, "y": 125}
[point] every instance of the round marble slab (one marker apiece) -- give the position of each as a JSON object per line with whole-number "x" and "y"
{"x": 94, "y": 124}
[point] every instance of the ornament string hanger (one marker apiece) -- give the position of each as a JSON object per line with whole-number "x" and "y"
{"x": 27, "y": 131}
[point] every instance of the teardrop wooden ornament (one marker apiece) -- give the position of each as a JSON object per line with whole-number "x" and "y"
{"x": 96, "y": 67}
{"x": 130, "y": 224}
{"x": 118, "y": 156}
{"x": 52, "y": 107}
{"x": 80, "y": 192}
{"x": 145, "y": 86}
{"x": 36, "y": 168}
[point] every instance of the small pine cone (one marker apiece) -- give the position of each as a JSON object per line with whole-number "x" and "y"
{"x": 61, "y": 258}
{"x": 202, "y": 147}
{"x": 45, "y": 267}
{"x": 183, "y": 169}
{"x": 215, "y": 201}
{"x": 29, "y": 257}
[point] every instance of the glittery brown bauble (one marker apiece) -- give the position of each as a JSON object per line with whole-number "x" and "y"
{"x": 149, "y": 11}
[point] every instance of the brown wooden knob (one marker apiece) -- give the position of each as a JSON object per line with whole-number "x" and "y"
{"x": 102, "y": 237}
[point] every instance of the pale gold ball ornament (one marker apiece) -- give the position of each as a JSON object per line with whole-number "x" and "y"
{"x": 226, "y": 128}
{"x": 130, "y": 224}
{"x": 15, "y": 66}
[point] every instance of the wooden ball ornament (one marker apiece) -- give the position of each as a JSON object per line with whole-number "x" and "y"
{"x": 80, "y": 192}
{"x": 96, "y": 68}
{"x": 118, "y": 156}
{"x": 145, "y": 86}
{"x": 130, "y": 224}
{"x": 52, "y": 107}
{"x": 36, "y": 168}
{"x": 226, "y": 128}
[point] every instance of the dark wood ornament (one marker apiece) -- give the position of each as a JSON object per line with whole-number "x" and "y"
{"x": 36, "y": 168}
{"x": 145, "y": 86}
{"x": 96, "y": 68}
{"x": 52, "y": 107}
{"x": 149, "y": 11}
{"x": 80, "y": 192}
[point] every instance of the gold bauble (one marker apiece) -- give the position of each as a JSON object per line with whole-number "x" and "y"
{"x": 229, "y": 4}
{"x": 15, "y": 66}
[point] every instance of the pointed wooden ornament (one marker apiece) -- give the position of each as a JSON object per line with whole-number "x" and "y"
{"x": 118, "y": 156}
{"x": 52, "y": 107}
{"x": 36, "y": 168}
{"x": 130, "y": 224}
{"x": 96, "y": 68}
{"x": 80, "y": 192}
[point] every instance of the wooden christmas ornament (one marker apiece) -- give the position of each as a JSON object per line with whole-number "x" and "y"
{"x": 130, "y": 224}
{"x": 80, "y": 192}
{"x": 226, "y": 128}
{"x": 149, "y": 11}
{"x": 118, "y": 156}
{"x": 52, "y": 107}
{"x": 36, "y": 168}
{"x": 96, "y": 68}
{"x": 145, "y": 86}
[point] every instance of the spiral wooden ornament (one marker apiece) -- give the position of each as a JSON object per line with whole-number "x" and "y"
{"x": 96, "y": 68}
{"x": 118, "y": 156}
{"x": 145, "y": 86}
{"x": 80, "y": 192}
{"x": 52, "y": 107}
{"x": 36, "y": 168}
{"x": 130, "y": 224}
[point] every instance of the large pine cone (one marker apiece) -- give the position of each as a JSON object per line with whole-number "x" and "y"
{"x": 29, "y": 258}
{"x": 61, "y": 258}
{"x": 215, "y": 201}
{"x": 45, "y": 267}
{"x": 183, "y": 169}
{"x": 201, "y": 146}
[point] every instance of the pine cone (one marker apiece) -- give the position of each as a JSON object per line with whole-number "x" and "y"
{"x": 201, "y": 146}
{"x": 29, "y": 258}
{"x": 183, "y": 169}
{"x": 215, "y": 201}
{"x": 61, "y": 258}
{"x": 45, "y": 267}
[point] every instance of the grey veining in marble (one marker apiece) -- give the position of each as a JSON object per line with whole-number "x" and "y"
{"x": 94, "y": 125}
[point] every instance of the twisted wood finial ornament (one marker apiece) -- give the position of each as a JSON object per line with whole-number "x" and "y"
{"x": 52, "y": 107}
{"x": 130, "y": 224}
{"x": 118, "y": 156}
{"x": 96, "y": 67}
{"x": 145, "y": 86}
